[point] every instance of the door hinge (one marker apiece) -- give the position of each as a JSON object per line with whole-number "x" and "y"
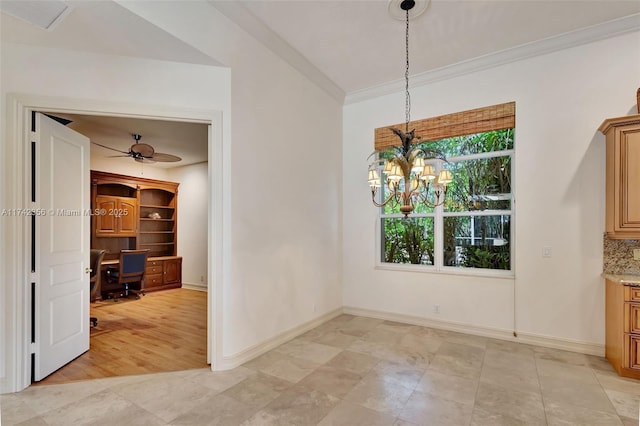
{"x": 32, "y": 347}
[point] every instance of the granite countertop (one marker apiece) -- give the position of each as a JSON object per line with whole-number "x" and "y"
{"x": 623, "y": 279}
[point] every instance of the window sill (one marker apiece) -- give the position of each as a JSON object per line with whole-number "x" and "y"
{"x": 463, "y": 272}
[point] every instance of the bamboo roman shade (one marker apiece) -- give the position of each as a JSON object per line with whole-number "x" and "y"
{"x": 486, "y": 119}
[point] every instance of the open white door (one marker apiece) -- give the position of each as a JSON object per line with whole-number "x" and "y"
{"x": 61, "y": 241}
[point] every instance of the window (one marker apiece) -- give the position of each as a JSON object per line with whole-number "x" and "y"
{"x": 472, "y": 230}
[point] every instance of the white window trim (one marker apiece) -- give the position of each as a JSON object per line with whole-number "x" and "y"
{"x": 439, "y": 214}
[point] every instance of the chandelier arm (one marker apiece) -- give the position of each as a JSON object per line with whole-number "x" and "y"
{"x": 391, "y": 197}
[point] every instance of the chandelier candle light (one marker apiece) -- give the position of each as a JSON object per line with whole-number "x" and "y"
{"x": 414, "y": 174}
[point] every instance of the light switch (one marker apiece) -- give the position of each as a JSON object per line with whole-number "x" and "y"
{"x": 636, "y": 254}
{"x": 546, "y": 251}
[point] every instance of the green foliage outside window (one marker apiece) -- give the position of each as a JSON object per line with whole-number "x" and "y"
{"x": 479, "y": 184}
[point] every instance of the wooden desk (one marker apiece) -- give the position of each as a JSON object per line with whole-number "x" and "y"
{"x": 161, "y": 273}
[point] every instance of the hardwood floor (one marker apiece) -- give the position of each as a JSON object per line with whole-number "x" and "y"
{"x": 162, "y": 331}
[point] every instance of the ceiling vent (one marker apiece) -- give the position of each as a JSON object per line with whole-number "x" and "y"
{"x": 44, "y": 14}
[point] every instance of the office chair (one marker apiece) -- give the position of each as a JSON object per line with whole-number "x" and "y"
{"x": 95, "y": 260}
{"x": 130, "y": 270}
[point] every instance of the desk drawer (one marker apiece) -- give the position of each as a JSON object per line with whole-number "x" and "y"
{"x": 631, "y": 293}
{"x": 154, "y": 280}
{"x": 154, "y": 270}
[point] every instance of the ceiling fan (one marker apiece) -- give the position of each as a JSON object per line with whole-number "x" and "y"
{"x": 143, "y": 153}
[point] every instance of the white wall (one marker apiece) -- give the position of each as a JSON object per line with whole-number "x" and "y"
{"x": 561, "y": 99}
{"x": 192, "y": 222}
{"x": 285, "y": 193}
{"x": 100, "y": 80}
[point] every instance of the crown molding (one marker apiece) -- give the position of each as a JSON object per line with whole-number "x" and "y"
{"x": 563, "y": 41}
{"x": 242, "y": 17}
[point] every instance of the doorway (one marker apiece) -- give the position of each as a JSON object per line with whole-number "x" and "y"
{"x": 20, "y": 108}
{"x": 166, "y": 330}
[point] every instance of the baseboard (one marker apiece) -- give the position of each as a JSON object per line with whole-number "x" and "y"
{"x": 588, "y": 348}
{"x": 198, "y": 287}
{"x": 237, "y": 359}
{"x": 496, "y": 333}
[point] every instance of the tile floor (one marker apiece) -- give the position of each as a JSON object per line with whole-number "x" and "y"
{"x": 354, "y": 371}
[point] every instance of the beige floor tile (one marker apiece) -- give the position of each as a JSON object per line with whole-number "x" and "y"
{"x": 377, "y": 394}
{"x": 297, "y": 406}
{"x": 36, "y": 421}
{"x": 611, "y": 381}
{"x": 167, "y": 397}
{"x": 566, "y": 415}
{"x": 332, "y": 381}
{"x": 508, "y": 403}
{"x": 49, "y": 397}
{"x": 510, "y": 347}
{"x": 291, "y": 368}
{"x": 219, "y": 410}
{"x": 14, "y": 410}
{"x": 263, "y": 361}
{"x": 219, "y": 381}
{"x": 310, "y": 351}
{"x": 396, "y": 327}
{"x": 386, "y": 337}
{"x": 481, "y": 417}
{"x": 348, "y": 414}
{"x": 102, "y": 408}
{"x": 259, "y": 390}
{"x": 400, "y": 373}
{"x": 459, "y": 360}
{"x": 626, "y": 404}
{"x": 380, "y": 370}
{"x": 467, "y": 339}
{"x": 564, "y": 357}
{"x": 354, "y": 362}
{"x": 567, "y": 372}
{"x": 335, "y": 339}
{"x": 421, "y": 343}
{"x": 425, "y": 409}
{"x": 561, "y": 391}
{"x": 627, "y": 421}
{"x": 448, "y": 387}
{"x": 427, "y": 332}
{"x": 510, "y": 377}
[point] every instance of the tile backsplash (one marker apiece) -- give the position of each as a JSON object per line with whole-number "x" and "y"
{"x": 618, "y": 256}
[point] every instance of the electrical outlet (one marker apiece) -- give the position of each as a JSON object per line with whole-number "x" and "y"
{"x": 636, "y": 254}
{"x": 201, "y": 278}
{"x": 546, "y": 251}
{"x": 436, "y": 309}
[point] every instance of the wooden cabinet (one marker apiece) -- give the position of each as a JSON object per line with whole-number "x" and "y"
{"x": 163, "y": 273}
{"x": 158, "y": 212}
{"x": 138, "y": 213}
{"x": 622, "y": 341}
{"x": 115, "y": 216}
{"x": 623, "y": 176}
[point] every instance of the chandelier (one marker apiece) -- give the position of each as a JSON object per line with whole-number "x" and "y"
{"x": 414, "y": 173}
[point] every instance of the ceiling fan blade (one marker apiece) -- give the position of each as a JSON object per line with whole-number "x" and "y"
{"x": 144, "y": 160}
{"x": 165, "y": 158}
{"x": 118, "y": 156}
{"x": 108, "y": 147}
{"x": 143, "y": 149}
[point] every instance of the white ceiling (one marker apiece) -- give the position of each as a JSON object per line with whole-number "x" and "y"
{"x": 346, "y": 46}
{"x": 186, "y": 140}
{"x": 358, "y": 45}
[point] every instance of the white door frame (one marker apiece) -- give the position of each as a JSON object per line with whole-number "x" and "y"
{"x": 15, "y": 252}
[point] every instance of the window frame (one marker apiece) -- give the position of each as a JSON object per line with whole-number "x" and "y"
{"x": 438, "y": 241}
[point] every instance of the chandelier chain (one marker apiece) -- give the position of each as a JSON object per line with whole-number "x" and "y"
{"x": 406, "y": 77}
